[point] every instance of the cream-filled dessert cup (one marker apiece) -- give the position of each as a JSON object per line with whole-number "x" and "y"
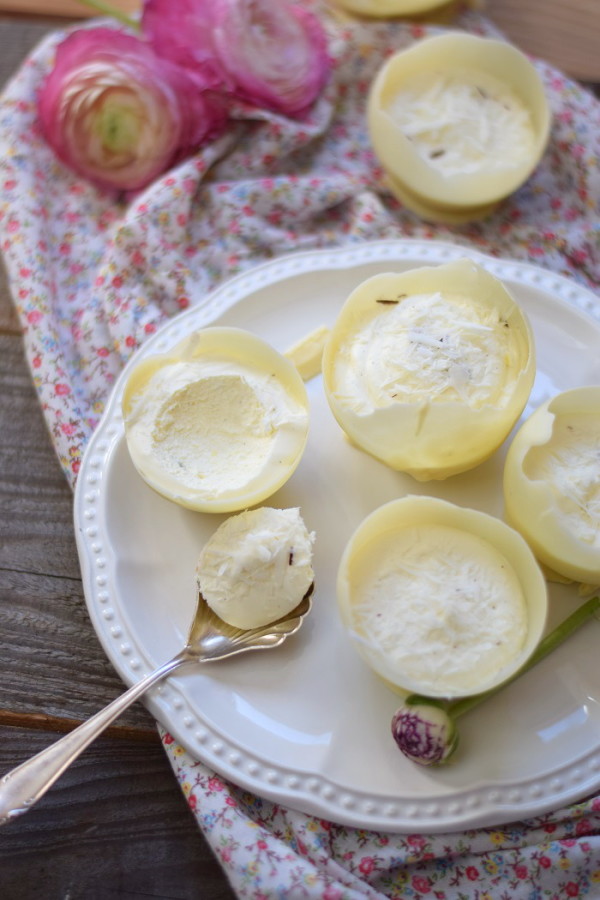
{"x": 217, "y": 424}
{"x": 440, "y": 600}
{"x": 257, "y": 566}
{"x": 428, "y": 370}
{"x": 458, "y": 123}
{"x": 552, "y": 484}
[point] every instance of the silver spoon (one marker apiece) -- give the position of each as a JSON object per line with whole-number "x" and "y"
{"x": 209, "y": 639}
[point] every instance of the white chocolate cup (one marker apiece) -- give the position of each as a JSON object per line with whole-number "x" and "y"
{"x": 213, "y": 468}
{"x": 427, "y": 439}
{"x": 418, "y": 184}
{"x": 541, "y": 510}
{"x": 424, "y": 512}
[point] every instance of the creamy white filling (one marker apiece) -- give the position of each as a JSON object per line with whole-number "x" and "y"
{"x": 257, "y": 566}
{"x": 569, "y": 465}
{"x": 463, "y": 122}
{"x": 427, "y": 348}
{"x": 212, "y": 425}
{"x": 442, "y": 606}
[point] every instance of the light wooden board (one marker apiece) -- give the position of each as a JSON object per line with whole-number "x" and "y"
{"x": 565, "y": 33}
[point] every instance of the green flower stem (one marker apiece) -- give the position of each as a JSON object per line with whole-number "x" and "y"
{"x": 552, "y": 640}
{"x": 108, "y": 10}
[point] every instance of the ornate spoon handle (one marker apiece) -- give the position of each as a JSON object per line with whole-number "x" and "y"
{"x": 23, "y": 786}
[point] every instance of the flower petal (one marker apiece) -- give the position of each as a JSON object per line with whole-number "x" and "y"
{"x": 267, "y": 52}
{"x": 119, "y": 115}
{"x": 275, "y": 52}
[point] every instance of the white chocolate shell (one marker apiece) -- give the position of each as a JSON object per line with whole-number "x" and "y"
{"x": 217, "y": 424}
{"x": 552, "y": 483}
{"x": 458, "y": 123}
{"x": 439, "y": 599}
{"x": 429, "y": 370}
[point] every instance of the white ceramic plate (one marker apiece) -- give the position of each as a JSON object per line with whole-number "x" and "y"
{"x": 308, "y": 725}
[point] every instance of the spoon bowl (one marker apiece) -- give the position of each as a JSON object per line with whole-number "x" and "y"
{"x": 210, "y": 639}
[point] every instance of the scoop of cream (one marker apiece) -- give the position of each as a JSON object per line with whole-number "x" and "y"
{"x": 257, "y": 566}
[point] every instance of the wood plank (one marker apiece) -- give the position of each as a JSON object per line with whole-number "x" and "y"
{"x": 36, "y": 528}
{"x": 564, "y": 34}
{"x": 45, "y": 631}
{"x": 51, "y": 661}
{"x": 18, "y": 37}
{"x": 114, "y": 826}
{"x": 62, "y": 725}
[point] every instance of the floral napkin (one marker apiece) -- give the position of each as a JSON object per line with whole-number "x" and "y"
{"x": 92, "y": 278}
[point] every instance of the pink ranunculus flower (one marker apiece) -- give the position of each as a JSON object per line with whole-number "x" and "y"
{"x": 271, "y": 53}
{"x": 118, "y": 114}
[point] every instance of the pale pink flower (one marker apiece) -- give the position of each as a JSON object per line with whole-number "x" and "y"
{"x": 119, "y": 115}
{"x": 271, "y": 53}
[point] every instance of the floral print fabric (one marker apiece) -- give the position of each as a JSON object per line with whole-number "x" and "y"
{"x": 93, "y": 275}
{"x": 269, "y": 851}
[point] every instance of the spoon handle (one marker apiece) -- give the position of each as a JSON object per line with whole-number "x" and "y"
{"x": 23, "y": 786}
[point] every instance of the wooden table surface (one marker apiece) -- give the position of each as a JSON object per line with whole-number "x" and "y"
{"x": 116, "y": 824}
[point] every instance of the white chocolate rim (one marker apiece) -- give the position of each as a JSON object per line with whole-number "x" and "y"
{"x": 240, "y": 347}
{"x": 429, "y": 212}
{"x": 431, "y": 440}
{"x": 529, "y": 504}
{"x": 408, "y": 171}
{"x": 389, "y": 8}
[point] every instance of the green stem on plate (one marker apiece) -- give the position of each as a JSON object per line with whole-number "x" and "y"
{"x": 549, "y": 643}
{"x": 424, "y": 728}
{"x": 112, "y": 11}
